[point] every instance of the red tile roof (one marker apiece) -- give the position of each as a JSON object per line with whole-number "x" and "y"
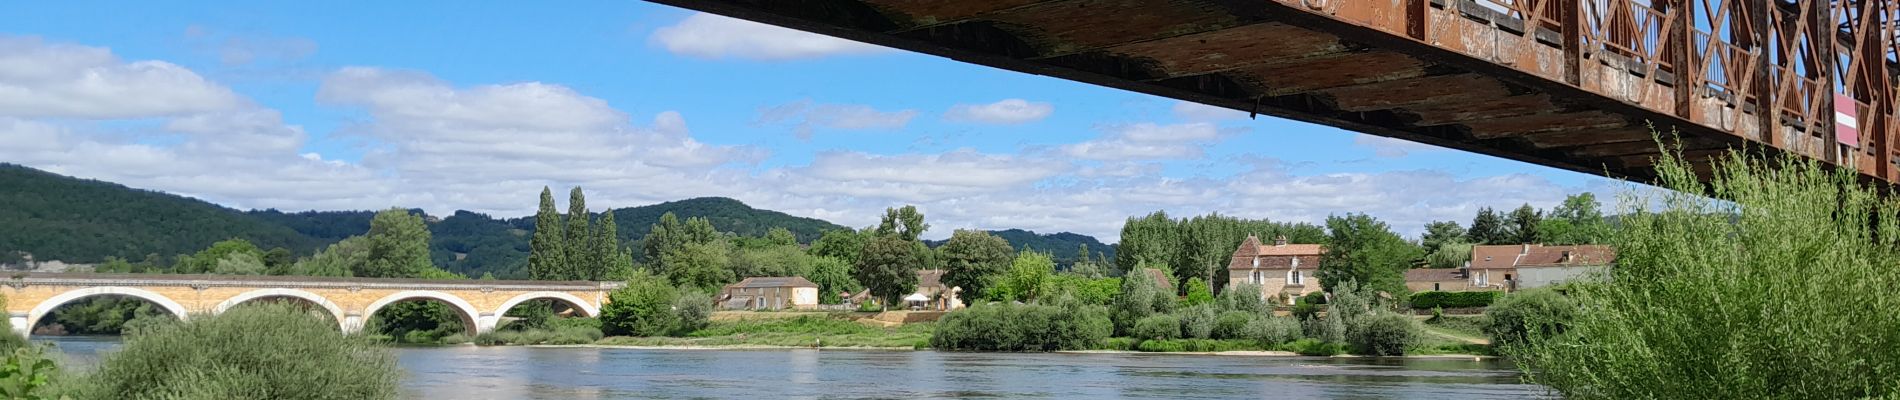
{"x": 1533, "y": 255}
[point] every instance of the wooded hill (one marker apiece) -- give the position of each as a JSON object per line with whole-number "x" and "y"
{"x": 55, "y": 217}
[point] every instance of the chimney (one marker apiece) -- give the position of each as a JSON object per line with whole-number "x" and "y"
{"x": 1279, "y": 241}
{"x": 1527, "y": 249}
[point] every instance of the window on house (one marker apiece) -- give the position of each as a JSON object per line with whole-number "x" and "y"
{"x": 1434, "y": 287}
{"x": 1507, "y": 277}
{"x": 1256, "y": 262}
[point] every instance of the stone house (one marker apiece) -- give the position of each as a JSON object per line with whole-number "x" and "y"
{"x": 1524, "y": 266}
{"x": 1439, "y": 280}
{"x": 931, "y": 290}
{"x": 769, "y": 293}
{"x": 1282, "y": 270}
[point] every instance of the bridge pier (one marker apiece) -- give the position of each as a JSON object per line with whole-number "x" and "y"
{"x": 20, "y": 323}
{"x": 352, "y": 323}
{"x": 486, "y": 323}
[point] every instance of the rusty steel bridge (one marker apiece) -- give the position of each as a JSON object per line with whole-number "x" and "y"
{"x": 1568, "y": 84}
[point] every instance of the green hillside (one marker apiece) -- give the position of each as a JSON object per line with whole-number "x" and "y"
{"x": 1063, "y": 247}
{"x": 726, "y": 214}
{"x": 55, "y": 217}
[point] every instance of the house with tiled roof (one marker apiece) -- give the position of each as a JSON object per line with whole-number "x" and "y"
{"x": 1439, "y": 280}
{"x": 1283, "y": 270}
{"x": 931, "y": 294}
{"x": 1524, "y": 266}
{"x": 769, "y": 293}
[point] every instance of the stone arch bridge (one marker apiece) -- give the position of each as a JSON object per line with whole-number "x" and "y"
{"x": 30, "y": 297}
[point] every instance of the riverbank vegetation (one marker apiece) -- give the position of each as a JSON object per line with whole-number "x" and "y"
{"x": 1780, "y": 289}
{"x": 261, "y": 351}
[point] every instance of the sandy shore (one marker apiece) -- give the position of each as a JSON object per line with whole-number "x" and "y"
{"x": 1239, "y": 353}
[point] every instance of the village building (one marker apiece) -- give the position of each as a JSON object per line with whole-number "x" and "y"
{"x": 1282, "y": 270}
{"x": 769, "y": 293}
{"x": 931, "y": 294}
{"x": 1525, "y": 266}
{"x": 1439, "y": 280}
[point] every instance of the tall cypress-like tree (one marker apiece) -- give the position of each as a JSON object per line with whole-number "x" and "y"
{"x": 579, "y": 253}
{"x": 546, "y": 254}
{"x": 1523, "y": 224}
{"x": 606, "y": 252}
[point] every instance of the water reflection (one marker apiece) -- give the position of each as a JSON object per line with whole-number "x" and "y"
{"x": 467, "y": 372}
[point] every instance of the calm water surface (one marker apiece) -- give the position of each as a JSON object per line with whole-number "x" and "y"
{"x": 467, "y": 372}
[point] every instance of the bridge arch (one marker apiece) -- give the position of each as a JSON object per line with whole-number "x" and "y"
{"x": 313, "y": 298}
{"x": 47, "y": 306}
{"x": 471, "y": 316}
{"x": 586, "y": 308}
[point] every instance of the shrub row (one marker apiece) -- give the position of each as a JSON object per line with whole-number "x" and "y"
{"x": 1024, "y": 327}
{"x": 1429, "y": 300}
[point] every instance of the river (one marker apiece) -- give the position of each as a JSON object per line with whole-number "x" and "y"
{"x": 468, "y": 372}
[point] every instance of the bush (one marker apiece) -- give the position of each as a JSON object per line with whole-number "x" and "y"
{"x": 1328, "y": 328}
{"x": 1272, "y": 330}
{"x": 456, "y": 338}
{"x": 691, "y": 311}
{"x": 1779, "y": 286}
{"x": 1314, "y": 347}
{"x": 28, "y": 374}
{"x": 1539, "y": 312}
{"x": 1022, "y": 327}
{"x": 1242, "y": 297}
{"x": 1427, "y": 300}
{"x": 1138, "y": 299}
{"x": 1306, "y": 311}
{"x": 1198, "y": 293}
{"x": 1197, "y": 322}
{"x": 255, "y": 351}
{"x": 1121, "y": 344}
{"x": 1382, "y": 334}
{"x": 1313, "y": 298}
{"x": 1158, "y": 327}
{"x": 642, "y": 308}
{"x": 1233, "y": 324}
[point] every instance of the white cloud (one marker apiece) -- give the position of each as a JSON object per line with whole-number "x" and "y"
{"x": 711, "y": 36}
{"x": 1006, "y": 112}
{"x": 40, "y": 79}
{"x": 805, "y": 116}
{"x": 1192, "y": 111}
{"x": 492, "y": 147}
{"x": 1388, "y": 147}
{"x": 1148, "y": 141}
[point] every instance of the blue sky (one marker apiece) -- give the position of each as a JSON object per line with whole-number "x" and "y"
{"x": 458, "y": 105}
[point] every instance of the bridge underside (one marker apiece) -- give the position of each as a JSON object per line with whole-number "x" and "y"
{"x": 1454, "y": 75}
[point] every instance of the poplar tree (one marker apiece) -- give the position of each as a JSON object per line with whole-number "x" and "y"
{"x": 607, "y": 254}
{"x": 546, "y": 254}
{"x": 1154, "y": 238}
{"x": 579, "y": 253}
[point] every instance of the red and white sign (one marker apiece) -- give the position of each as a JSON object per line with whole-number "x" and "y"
{"x": 1846, "y": 120}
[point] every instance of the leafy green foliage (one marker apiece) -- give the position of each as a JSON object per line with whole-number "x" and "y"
{"x": 1024, "y": 327}
{"x": 1524, "y": 316}
{"x": 1197, "y": 321}
{"x": 1198, "y": 293}
{"x": 1363, "y": 249}
{"x": 1425, "y": 300}
{"x": 1577, "y": 221}
{"x": 1157, "y": 327}
{"x": 1440, "y": 233}
{"x": 398, "y": 246}
{"x": 904, "y": 222}
{"x": 973, "y": 260}
{"x": 1775, "y": 286}
{"x": 268, "y": 351}
{"x": 1449, "y": 255}
{"x": 702, "y": 266}
{"x": 1244, "y": 297}
{"x": 888, "y": 267}
{"x": 833, "y": 276}
{"x": 1382, "y": 334}
{"x": 1154, "y": 238}
{"x": 644, "y": 307}
{"x": 842, "y": 244}
{"x": 1029, "y": 278}
{"x": 103, "y": 315}
{"x": 26, "y": 374}
{"x": 1135, "y": 301}
{"x": 1092, "y": 249}
{"x": 1523, "y": 224}
{"x": 1097, "y": 291}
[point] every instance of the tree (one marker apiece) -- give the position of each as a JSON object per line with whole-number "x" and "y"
{"x": 779, "y": 236}
{"x": 206, "y": 261}
{"x": 1153, "y": 238}
{"x": 239, "y": 264}
{"x": 278, "y": 261}
{"x": 905, "y": 222}
{"x": 1028, "y": 278}
{"x": 1365, "y": 250}
{"x": 843, "y": 244}
{"x": 1577, "y": 221}
{"x": 666, "y": 235}
{"x": 973, "y": 260}
{"x": 1449, "y": 255}
{"x": 1523, "y": 224}
{"x": 888, "y": 267}
{"x": 1207, "y": 243}
{"x": 832, "y": 276}
{"x": 580, "y": 253}
{"x": 398, "y": 246}
{"x": 339, "y": 259}
{"x": 1438, "y": 233}
{"x": 1198, "y": 293}
{"x": 606, "y": 256}
{"x": 1137, "y": 299}
{"x": 1487, "y": 228}
{"x": 703, "y": 266}
{"x": 770, "y": 261}
{"x": 546, "y": 255}
{"x": 641, "y": 308}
